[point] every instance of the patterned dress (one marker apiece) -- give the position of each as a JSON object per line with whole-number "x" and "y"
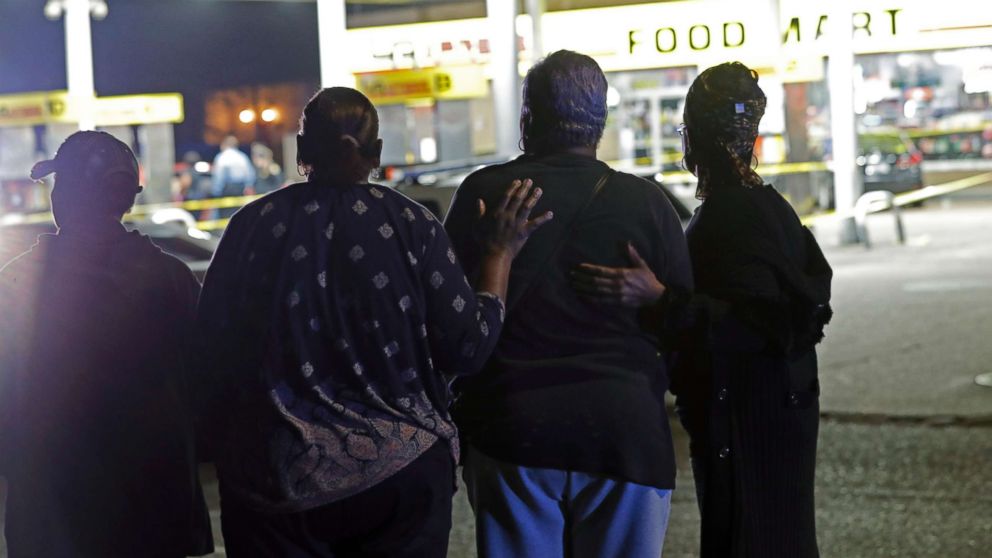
{"x": 332, "y": 318}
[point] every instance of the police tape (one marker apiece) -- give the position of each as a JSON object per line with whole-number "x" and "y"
{"x": 916, "y": 196}
{"x": 776, "y": 169}
{"x": 907, "y": 198}
{"x": 150, "y": 209}
{"x": 196, "y": 205}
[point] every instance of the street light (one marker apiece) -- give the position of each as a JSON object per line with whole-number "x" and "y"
{"x": 270, "y": 115}
{"x": 79, "y": 51}
{"x": 55, "y": 8}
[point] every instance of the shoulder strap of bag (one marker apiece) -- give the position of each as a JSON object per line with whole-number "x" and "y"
{"x": 552, "y": 256}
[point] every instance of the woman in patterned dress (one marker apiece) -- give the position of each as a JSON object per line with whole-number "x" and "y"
{"x": 333, "y": 315}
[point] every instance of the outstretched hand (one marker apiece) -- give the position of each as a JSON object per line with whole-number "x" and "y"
{"x": 505, "y": 230}
{"x": 632, "y": 287}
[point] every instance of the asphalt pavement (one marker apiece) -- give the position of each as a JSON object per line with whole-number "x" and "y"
{"x": 912, "y": 323}
{"x": 888, "y": 490}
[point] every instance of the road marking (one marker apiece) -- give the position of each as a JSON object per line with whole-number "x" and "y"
{"x": 945, "y": 285}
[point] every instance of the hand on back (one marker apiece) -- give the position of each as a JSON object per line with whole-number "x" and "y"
{"x": 506, "y": 228}
{"x": 632, "y": 287}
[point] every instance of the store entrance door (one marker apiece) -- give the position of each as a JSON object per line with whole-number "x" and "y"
{"x": 648, "y": 123}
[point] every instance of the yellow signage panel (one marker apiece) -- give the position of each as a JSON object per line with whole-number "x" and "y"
{"x": 138, "y": 109}
{"x": 399, "y": 86}
{"x": 31, "y": 109}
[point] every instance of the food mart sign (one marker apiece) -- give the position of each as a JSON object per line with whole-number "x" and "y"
{"x": 691, "y": 33}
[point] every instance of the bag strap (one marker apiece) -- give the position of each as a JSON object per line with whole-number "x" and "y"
{"x": 566, "y": 234}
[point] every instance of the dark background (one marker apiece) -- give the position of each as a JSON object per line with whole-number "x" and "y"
{"x": 150, "y": 46}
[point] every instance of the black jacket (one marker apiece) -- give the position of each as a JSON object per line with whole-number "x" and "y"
{"x": 96, "y": 429}
{"x": 573, "y": 384}
{"x": 746, "y": 383}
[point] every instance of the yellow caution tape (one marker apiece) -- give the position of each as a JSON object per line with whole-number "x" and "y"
{"x": 907, "y": 198}
{"x": 925, "y": 193}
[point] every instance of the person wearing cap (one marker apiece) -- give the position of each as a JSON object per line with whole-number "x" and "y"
{"x": 96, "y": 431}
{"x": 746, "y": 376}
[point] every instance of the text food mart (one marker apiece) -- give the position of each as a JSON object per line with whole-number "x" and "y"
{"x": 692, "y": 34}
{"x": 671, "y": 34}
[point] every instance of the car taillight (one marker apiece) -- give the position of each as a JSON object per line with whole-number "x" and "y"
{"x": 909, "y": 160}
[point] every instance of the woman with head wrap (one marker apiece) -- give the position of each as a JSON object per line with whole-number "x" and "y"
{"x": 746, "y": 371}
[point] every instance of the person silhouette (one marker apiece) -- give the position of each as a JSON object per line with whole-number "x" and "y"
{"x": 96, "y": 422}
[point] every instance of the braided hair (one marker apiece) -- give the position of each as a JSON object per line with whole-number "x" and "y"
{"x": 722, "y": 111}
{"x": 338, "y": 133}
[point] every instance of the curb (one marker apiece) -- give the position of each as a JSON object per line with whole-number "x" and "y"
{"x": 937, "y": 421}
{"x": 851, "y": 417}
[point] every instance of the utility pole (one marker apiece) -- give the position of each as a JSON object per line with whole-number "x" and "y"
{"x": 331, "y": 29}
{"x": 536, "y": 9}
{"x": 504, "y": 58}
{"x": 79, "y": 53}
{"x": 848, "y": 182}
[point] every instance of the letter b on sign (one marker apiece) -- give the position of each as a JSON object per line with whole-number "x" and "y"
{"x": 442, "y": 83}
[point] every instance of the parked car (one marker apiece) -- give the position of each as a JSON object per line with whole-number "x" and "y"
{"x": 195, "y": 248}
{"x": 890, "y": 161}
{"x": 436, "y": 188}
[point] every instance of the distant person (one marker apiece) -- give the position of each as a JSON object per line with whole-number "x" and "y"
{"x": 193, "y": 183}
{"x": 746, "y": 380}
{"x": 267, "y": 172}
{"x": 334, "y": 314}
{"x": 569, "y": 451}
{"x": 233, "y": 173}
{"x": 96, "y": 431}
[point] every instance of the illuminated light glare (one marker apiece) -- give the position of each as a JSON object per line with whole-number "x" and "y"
{"x": 246, "y": 116}
{"x": 53, "y": 9}
{"x": 428, "y": 150}
{"x": 910, "y": 108}
{"x": 99, "y": 10}
{"x": 270, "y": 115}
{"x": 612, "y": 97}
{"x": 202, "y": 166}
{"x": 907, "y": 60}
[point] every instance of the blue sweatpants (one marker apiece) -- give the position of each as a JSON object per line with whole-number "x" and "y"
{"x": 526, "y": 512}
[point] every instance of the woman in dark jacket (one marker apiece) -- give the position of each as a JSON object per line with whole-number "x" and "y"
{"x": 746, "y": 374}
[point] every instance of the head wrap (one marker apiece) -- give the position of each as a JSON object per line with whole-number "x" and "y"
{"x": 722, "y": 111}
{"x": 714, "y": 112}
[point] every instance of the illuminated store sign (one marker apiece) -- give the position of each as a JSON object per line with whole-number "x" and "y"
{"x": 449, "y": 82}
{"x": 30, "y": 109}
{"x": 691, "y": 33}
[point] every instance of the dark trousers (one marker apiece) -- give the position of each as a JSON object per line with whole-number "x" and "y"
{"x": 407, "y": 515}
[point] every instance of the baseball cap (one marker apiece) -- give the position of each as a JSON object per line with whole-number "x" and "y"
{"x": 90, "y": 156}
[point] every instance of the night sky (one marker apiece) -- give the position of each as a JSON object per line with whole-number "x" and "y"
{"x": 148, "y": 46}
